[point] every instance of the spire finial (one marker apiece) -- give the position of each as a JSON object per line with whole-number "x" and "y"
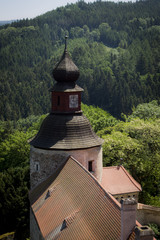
{"x": 66, "y": 42}
{"x": 65, "y": 70}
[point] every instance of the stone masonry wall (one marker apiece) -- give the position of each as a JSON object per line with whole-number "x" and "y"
{"x": 44, "y": 162}
{"x": 148, "y": 214}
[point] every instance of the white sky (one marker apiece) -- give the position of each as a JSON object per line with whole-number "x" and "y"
{"x": 19, "y": 9}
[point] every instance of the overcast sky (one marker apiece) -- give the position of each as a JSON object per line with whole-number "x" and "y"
{"x": 19, "y": 9}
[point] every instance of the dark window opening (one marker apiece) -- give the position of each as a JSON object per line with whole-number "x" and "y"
{"x": 58, "y": 101}
{"x": 64, "y": 225}
{"x": 37, "y": 167}
{"x": 90, "y": 166}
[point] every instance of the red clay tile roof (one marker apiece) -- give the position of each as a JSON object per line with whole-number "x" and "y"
{"x": 75, "y": 206}
{"x": 116, "y": 180}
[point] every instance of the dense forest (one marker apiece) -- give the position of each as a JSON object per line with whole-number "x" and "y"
{"x": 135, "y": 140}
{"x": 115, "y": 45}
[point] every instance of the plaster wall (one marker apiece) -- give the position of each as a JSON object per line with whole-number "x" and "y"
{"x": 119, "y": 197}
{"x": 63, "y": 105}
{"x": 148, "y": 214}
{"x": 44, "y": 162}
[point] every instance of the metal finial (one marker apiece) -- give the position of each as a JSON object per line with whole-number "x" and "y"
{"x": 66, "y": 42}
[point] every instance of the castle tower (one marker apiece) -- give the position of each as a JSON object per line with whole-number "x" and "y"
{"x": 65, "y": 131}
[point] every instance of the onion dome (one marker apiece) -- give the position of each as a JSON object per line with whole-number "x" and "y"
{"x": 66, "y": 70}
{"x": 66, "y": 132}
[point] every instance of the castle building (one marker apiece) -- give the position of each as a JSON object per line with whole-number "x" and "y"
{"x": 119, "y": 183}
{"x": 67, "y": 198}
{"x": 65, "y": 131}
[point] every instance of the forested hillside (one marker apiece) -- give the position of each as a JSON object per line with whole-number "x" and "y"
{"x": 115, "y": 45}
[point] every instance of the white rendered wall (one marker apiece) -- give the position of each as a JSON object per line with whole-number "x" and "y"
{"x": 44, "y": 162}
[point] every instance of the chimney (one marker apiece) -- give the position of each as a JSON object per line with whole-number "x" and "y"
{"x": 128, "y": 217}
{"x": 144, "y": 233}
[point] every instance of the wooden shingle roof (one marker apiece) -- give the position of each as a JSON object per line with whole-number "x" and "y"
{"x": 66, "y": 87}
{"x": 66, "y": 132}
{"x": 66, "y": 70}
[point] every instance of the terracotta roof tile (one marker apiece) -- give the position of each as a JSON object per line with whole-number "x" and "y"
{"x": 116, "y": 180}
{"x": 75, "y": 206}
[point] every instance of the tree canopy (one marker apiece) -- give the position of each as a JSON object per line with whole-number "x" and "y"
{"x": 135, "y": 140}
{"x": 115, "y": 45}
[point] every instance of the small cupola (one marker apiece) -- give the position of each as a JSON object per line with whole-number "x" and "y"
{"x": 66, "y": 70}
{"x": 66, "y": 94}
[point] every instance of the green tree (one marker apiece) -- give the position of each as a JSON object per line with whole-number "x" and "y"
{"x": 14, "y": 203}
{"x": 137, "y": 142}
{"x": 144, "y": 111}
{"x": 14, "y": 151}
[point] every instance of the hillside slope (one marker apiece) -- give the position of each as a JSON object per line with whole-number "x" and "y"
{"x": 115, "y": 46}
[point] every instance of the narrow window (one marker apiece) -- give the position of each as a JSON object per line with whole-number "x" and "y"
{"x": 58, "y": 101}
{"x": 90, "y": 166}
{"x": 37, "y": 167}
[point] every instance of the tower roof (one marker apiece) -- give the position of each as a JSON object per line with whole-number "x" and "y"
{"x": 66, "y": 87}
{"x": 66, "y": 128}
{"x": 66, "y": 70}
{"x": 66, "y": 131}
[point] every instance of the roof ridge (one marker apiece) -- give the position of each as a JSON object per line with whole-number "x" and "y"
{"x": 110, "y": 167}
{"x": 135, "y": 183}
{"x": 96, "y": 181}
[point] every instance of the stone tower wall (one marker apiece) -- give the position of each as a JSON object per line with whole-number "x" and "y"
{"x": 44, "y": 162}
